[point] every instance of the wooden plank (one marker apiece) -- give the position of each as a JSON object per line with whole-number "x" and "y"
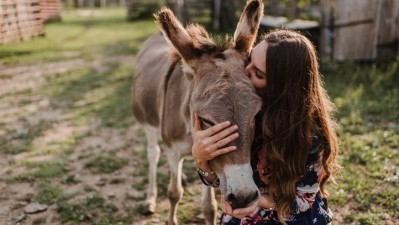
{"x": 354, "y": 42}
{"x": 388, "y": 28}
{"x": 354, "y": 23}
{"x": 50, "y": 9}
{"x": 354, "y": 10}
{"x": 20, "y": 20}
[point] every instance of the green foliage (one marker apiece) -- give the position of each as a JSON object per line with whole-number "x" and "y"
{"x": 366, "y": 96}
{"x": 364, "y": 92}
{"x": 143, "y": 9}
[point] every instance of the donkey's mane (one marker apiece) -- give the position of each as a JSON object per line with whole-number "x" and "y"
{"x": 204, "y": 43}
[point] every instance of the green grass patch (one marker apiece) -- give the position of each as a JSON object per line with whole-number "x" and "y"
{"x": 42, "y": 170}
{"x": 364, "y": 92}
{"x": 94, "y": 208}
{"x": 106, "y": 31}
{"x": 366, "y": 95}
{"x": 48, "y": 194}
{"x": 19, "y": 141}
{"x": 108, "y": 163}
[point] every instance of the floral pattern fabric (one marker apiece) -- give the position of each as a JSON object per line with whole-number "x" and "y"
{"x": 308, "y": 208}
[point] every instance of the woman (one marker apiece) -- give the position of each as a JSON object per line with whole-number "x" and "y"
{"x": 295, "y": 146}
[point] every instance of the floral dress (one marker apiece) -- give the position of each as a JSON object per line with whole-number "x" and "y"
{"x": 309, "y": 208}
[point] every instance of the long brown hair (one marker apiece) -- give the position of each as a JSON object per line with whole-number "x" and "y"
{"x": 295, "y": 102}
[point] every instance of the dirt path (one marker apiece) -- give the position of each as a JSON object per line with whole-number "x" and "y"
{"x": 50, "y": 139}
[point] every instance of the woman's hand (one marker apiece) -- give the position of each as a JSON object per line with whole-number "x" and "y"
{"x": 237, "y": 213}
{"x": 265, "y": 201}
{"x": 211, "y": 142}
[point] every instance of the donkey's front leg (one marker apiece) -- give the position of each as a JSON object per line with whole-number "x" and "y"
{"x": 175, "y": 189}
{"x": 209, "y": 205}
{"x": 153, "y": 152}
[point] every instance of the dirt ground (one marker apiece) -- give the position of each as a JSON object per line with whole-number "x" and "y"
{"x": 24, "y": 84}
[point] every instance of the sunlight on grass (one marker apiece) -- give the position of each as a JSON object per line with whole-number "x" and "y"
{"x": 81, "y": 36}
{"x": 367, "y": 99}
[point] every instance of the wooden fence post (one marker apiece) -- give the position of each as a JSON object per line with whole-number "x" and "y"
{"x": 216, "y": 14}
{"x": 326, "y": 29}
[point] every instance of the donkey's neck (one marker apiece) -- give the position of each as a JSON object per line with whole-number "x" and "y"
{"x": 176, "y": 111}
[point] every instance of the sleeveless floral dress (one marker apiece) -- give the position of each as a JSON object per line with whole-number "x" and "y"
{"x": 309, "y": 208}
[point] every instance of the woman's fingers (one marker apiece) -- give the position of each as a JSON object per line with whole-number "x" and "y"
{"x": 222, "y": 134}
{"x": 215, "y": 129}
{"x": 223, "y": 151}
{"x": 226, "y": 140}
{"x": 242, "y": 212}
{"x": 212, "y": 142}
{"x": 237, "y": 213}
{"x": 221, "y": 138}
{"x": 226, "y": 207}
{"x": 218, "y": 148}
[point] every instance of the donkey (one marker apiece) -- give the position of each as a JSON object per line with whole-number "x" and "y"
{"x": 199, "y": 77}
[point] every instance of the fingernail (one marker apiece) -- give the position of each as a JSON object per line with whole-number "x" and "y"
{"x": 235, "y": 126}
{"x": 233, "y": 148}
{"x": 227, "y": 122}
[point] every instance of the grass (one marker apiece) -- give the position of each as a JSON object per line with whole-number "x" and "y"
{"x": 84, "y": 36}
{"x": 48, "y": 194}
{"x": 106, "y": 163}
{"x": 42, "y": 170}
{"x": 367, "y": 101}
{"x": 60, "y": 136}
{"x": 93, "y": 208}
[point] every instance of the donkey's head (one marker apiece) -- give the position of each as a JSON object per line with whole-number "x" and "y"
{"x": 221, "y": 91}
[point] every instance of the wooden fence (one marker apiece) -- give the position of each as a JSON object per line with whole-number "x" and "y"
{"x": 20, "y": 19}
{"x": 50, "y": 9}
{"x": 359, "y": 29}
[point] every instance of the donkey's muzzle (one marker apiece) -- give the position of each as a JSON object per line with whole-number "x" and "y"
{"x": 242, "y": 201}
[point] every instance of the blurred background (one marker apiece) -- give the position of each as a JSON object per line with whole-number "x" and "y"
{"x": 71, "y": 151}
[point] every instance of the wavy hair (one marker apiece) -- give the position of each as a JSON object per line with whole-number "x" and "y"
{"x": 294, "y": 103}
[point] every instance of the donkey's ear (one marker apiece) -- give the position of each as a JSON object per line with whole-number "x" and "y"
{"x": 247, "y": 27}
{"x": 175, "y": 33}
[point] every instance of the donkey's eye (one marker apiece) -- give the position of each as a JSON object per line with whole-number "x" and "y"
{"x": 205, "y": 123}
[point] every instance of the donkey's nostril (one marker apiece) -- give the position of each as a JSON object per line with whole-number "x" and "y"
{"x": 254, "y": 196}
{"x": 242, "y": 201}
{"x": 232, "y": 199}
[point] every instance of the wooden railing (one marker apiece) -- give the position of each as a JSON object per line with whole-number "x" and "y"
{"x": 50, "y": 9}
{"x": 20, "y": 20}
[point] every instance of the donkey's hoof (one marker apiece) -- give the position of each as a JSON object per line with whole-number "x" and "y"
{"x": 148, "y": 209}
